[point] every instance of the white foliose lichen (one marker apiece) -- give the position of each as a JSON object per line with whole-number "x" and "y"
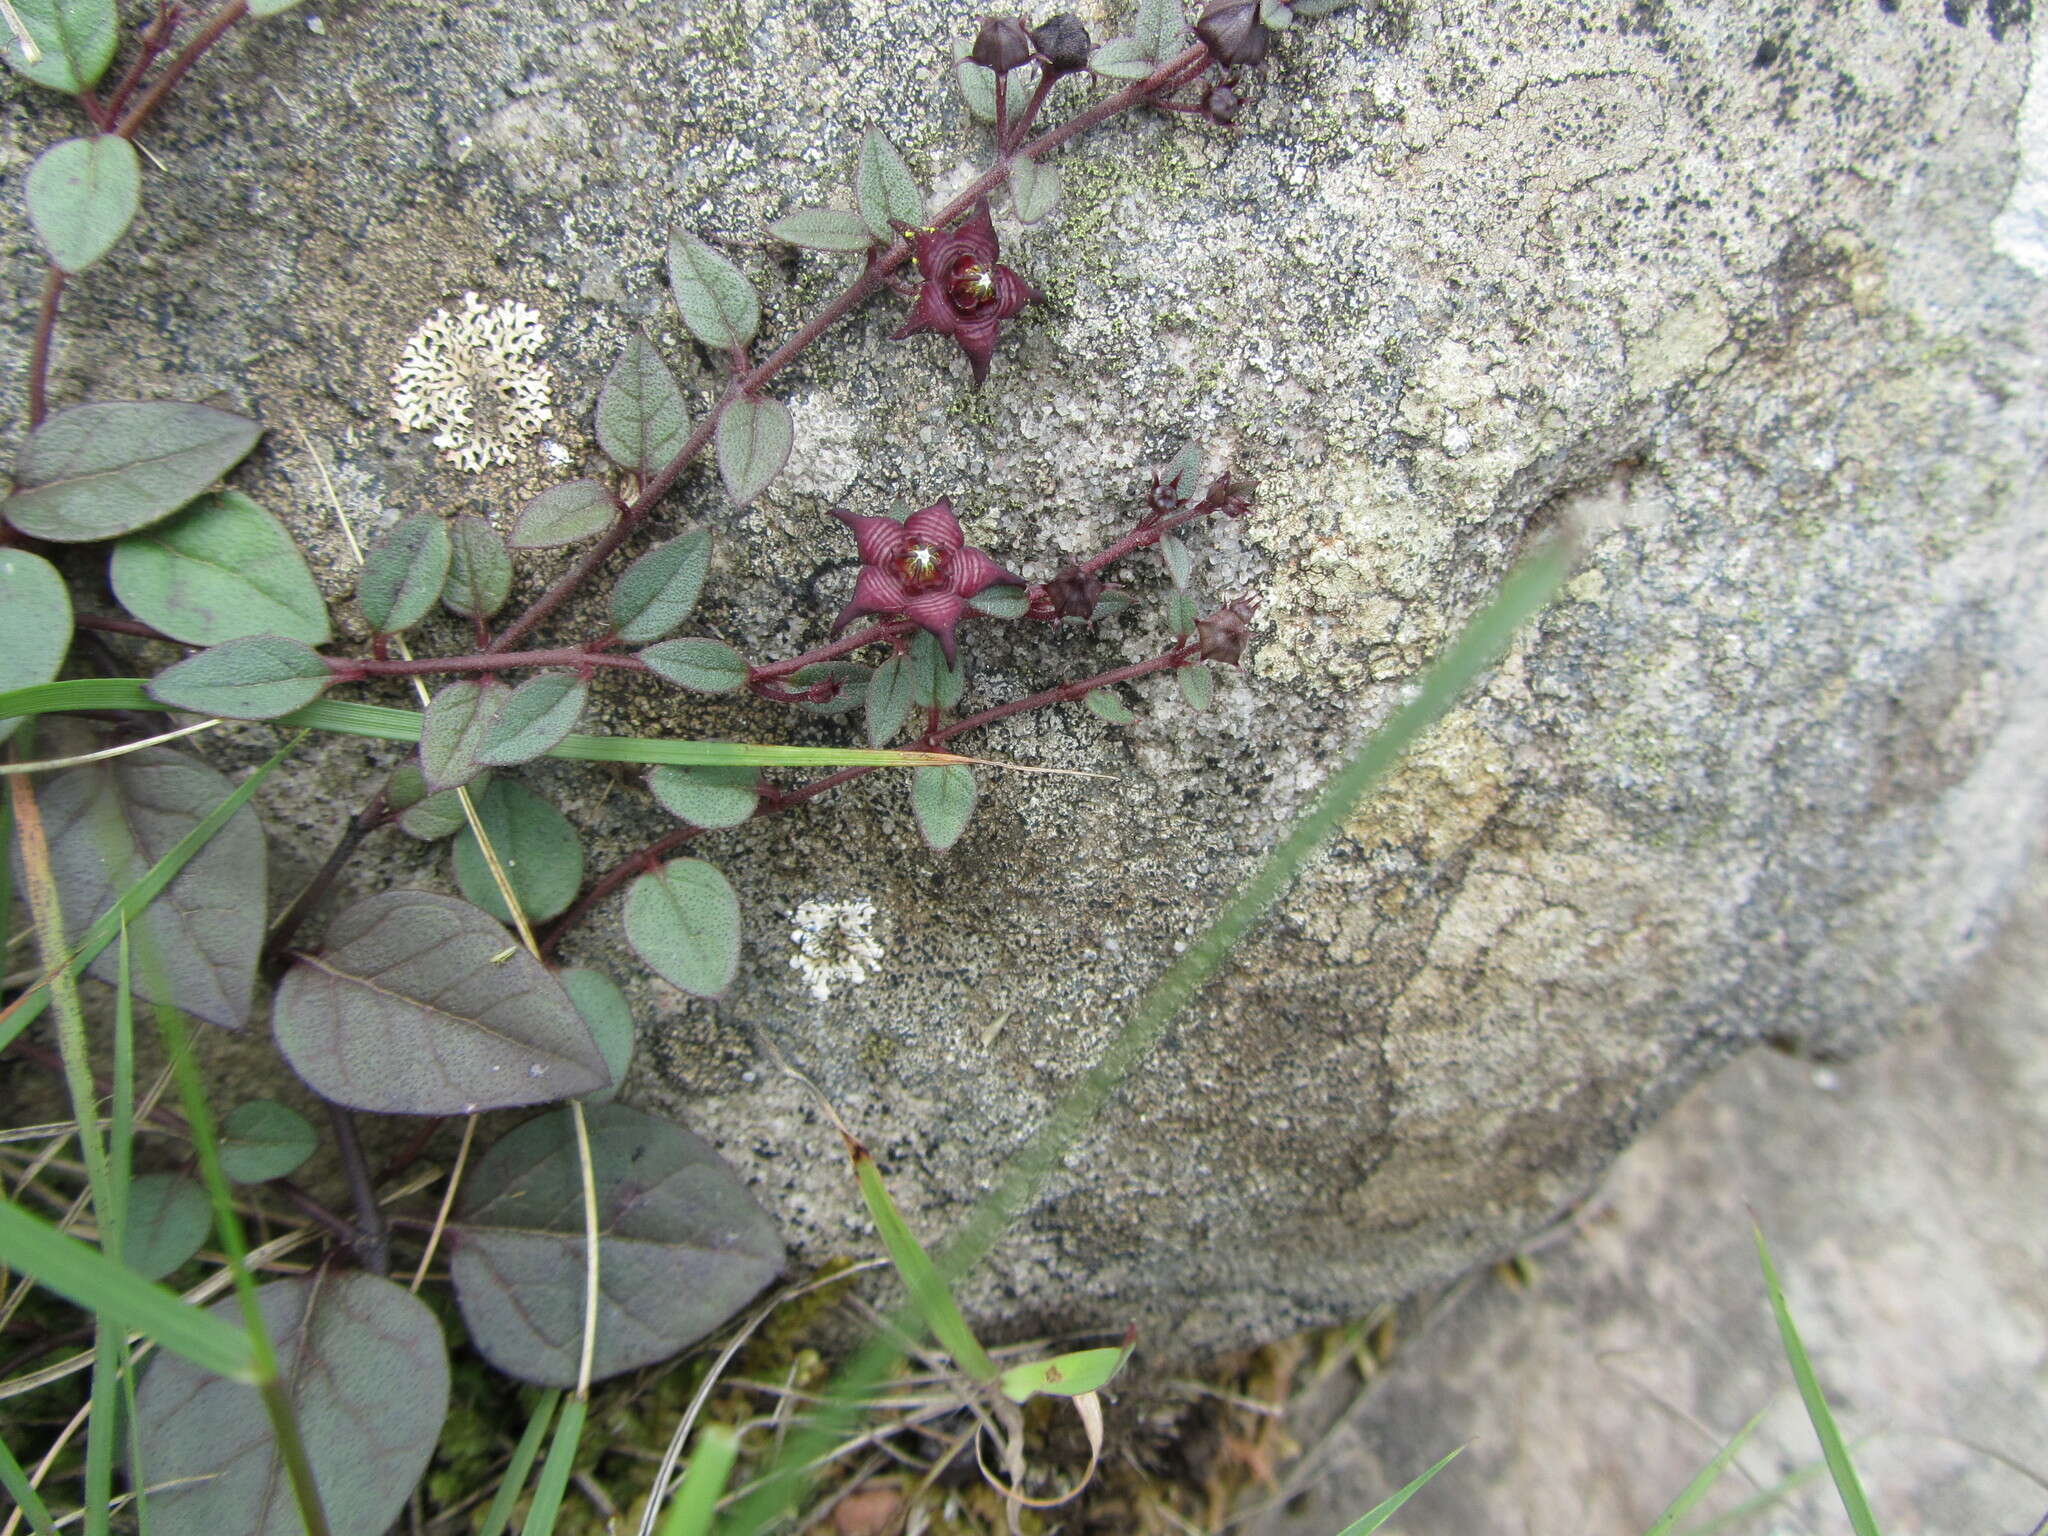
{"x": 470, "y": 379}
{"x": 834, "y": 943}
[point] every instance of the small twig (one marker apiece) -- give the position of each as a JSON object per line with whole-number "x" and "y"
{"x": 39, "y": 348}
{"x": 373, "y": 1233}
{"x": 360, "y": 826}
{"x": 447, "y": 1203}
{"x": 176, "y": 70}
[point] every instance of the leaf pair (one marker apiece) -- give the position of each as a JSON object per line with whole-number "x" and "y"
{"x": 471, "y": 726}
{"x": 885, "y": 192}
{"x": 643, "y": 421}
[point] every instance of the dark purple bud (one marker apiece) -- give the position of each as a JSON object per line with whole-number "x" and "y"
{"x": 1003, "y": 44}
{"x": 1230, "y": 494}
{"x": 1074, "y": 594}
{"x": 1222, "y": 104}
{"x": 1232, "y": 31}
{"x": 1221, "y": 636}
{"x": 1063, "y": 43}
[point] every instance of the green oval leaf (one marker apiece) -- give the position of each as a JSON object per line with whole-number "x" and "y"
{"x": 365, "y": 1369}
{"x": 82, "y": 195}
{"x": 702, "y": 666}
{"x": 642, "y": 420}
{"x": 532, "y": 719}
{"x": 889, "y": 697}
{"x": 942, "y": 800}
{"x": 1001, "y": 602}
{"x": 479, "y": 569}
{"x": 823, "y": 229}
{"x": 603, "y": 1006}
{"x": 660, "y": 589}
{"x": 542, "y": 855}
{"x": 403, "y": 573}
{"x": 933, "y": 683}
{"x": 754, "y": 438}
{"x": 682, "y": 1245}
{"x": 257, "y": 677}
{"x": 1161, "y": 27}
{"x": 1034, "y": 189}
{"x": 850, "y": 677}
{"x": 98, "y": 471}
{"x": 977, "y": 85}
{"x": 169, "y": 1216}
{"x": 108, "y": 823}
{"x": 433, "y": 817}
{"x": 563, "y": 515}
{"x": 885, "y": 189}
{"x": 1180, "y": 565}
{"x": 1085, "y": 1370}
{"x": 707, "y": 797}
{"x": 1197, "y": 684}
{"x": 1122, "y": 58}
{"x": 683, "y": 920}
{"x": 263, "y": 1140}
{"x": 716, "y": 300}
{"x": 1107, "y": 703}
{"x": 452, "y": 730}
{"x": 1276, "y": 14}
{"x": 35, "y": 623}
{"x": 221, "y": 569}
{"x": 76, "y": 37}
{"x": 422, "y": 1005}
{"x": 1180, "y": 613}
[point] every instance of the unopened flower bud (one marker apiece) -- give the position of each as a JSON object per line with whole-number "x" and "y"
{"x": 1231, "y": 29}
{"x": 1063, "y": 43}
{"x": 1222, "y": 104}
{"x": 1230, "y": 494}
{"x": 1221, "y": 636}
{"x": 1073, "y": 593}
{"x": 1002, "y": 44}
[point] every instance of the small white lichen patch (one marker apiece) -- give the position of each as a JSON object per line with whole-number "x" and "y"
{"x": 833, "y": 943}
{"x": 470, "y": 379}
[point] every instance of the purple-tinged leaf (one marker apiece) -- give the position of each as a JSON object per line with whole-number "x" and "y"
{"x": 1001, "y": 602}
{"x": 890, "y": 694}
{"x": 885, "y": 189}
{"x": 453, "y": 730}
{"x": 683, "y": 920}
{"x": 98, "y": 471}
{"x": 532, "y": 719}
{"x": 563, "y": 515}
{"x": 257, "y": 677}
{"x": 479, "y": 569}
{"x": 824, "y": 229}
{"x": 603, "y": 1006}
{"x": 942, "y": 800}
{"x": 1034, "y": 189}
{"x": 421, "y": 1005}
{"x": 35, "y": 624}
{"x": 76, "y": 39}
{"x": 1122, "y": 58}
{"x": 715, "y": 298}
{"x": 404, "y": 572}
{"x": 82, "y": 195}
{"x": 1180, "y": 565}
{"x": 681, "y": 1245}
{"x": 702, "y": 666}
{"x": 1107, "y": 703}
{"x": 366, "y": 1370}
{"x": 707, "y": 797}
{"x": 850, "y": 679}
{"x": 977, "y": 83}
{"x": 1197, "y": 684}
{"x": 168, "y": 1219}
{"x": 108, "y": 823}
{"x": 659, "y": 590}
{"x": 642, "y": 421}
{"x": 1180, "y": 613}
{"x": 1162, "y": 27}
{"x": 754, "y": 438}
{"x": 542, "y": 856}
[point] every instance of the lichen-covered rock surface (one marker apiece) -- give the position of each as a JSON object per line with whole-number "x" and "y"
{"x": 1753, "y": 293}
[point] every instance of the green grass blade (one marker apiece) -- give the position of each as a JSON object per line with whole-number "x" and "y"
{"x": 1709, "y": 1475}
{"x": 1525, "y": 591}
{"x": 929, "y": 1293}
{"x": 691, "y": 1511}
{"x": 499, "y": 1515}
{"x": 22, "y": 1491}
{"x": 1383, "y": 1511}
{"x": 387, "y": 724}
{"x": 1847, "y": 1484}
{"x": 1757, "y": 1503}
{"x": 27, "y": 1008}
{"x": 553, "y": 1481}
{"x": 85, "y": 1276}
{"x": 110, "y": 1354}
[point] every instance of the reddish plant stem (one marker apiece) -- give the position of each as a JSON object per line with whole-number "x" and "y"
{"x": 39, "y": 349}
{"x": 155, "y": 38}
{"x": 372, "y": 1236}
{"x": 1169, "y": 76}
{"x": 109, "y": 624}
{"x": 89, "y": 104}
{"x": 214, "y": 30}
{"x": 894, "y": 629}
{"x": 1140, "y": 537}
{"x": 774, "y": 801}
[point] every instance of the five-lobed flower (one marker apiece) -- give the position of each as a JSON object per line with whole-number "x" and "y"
{"x": 921, "y": 568}
{"x": 967, "y": 294}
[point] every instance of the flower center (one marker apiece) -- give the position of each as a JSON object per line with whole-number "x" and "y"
{"x": 921, "y": 564}
{"x": 973, "y": 284}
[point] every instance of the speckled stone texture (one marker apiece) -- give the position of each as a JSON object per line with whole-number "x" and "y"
{"x": 1751, "y": 291}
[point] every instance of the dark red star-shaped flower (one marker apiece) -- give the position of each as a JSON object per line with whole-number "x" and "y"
{"x": 966, "y": 294}
{"x": 922, "y": 568}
